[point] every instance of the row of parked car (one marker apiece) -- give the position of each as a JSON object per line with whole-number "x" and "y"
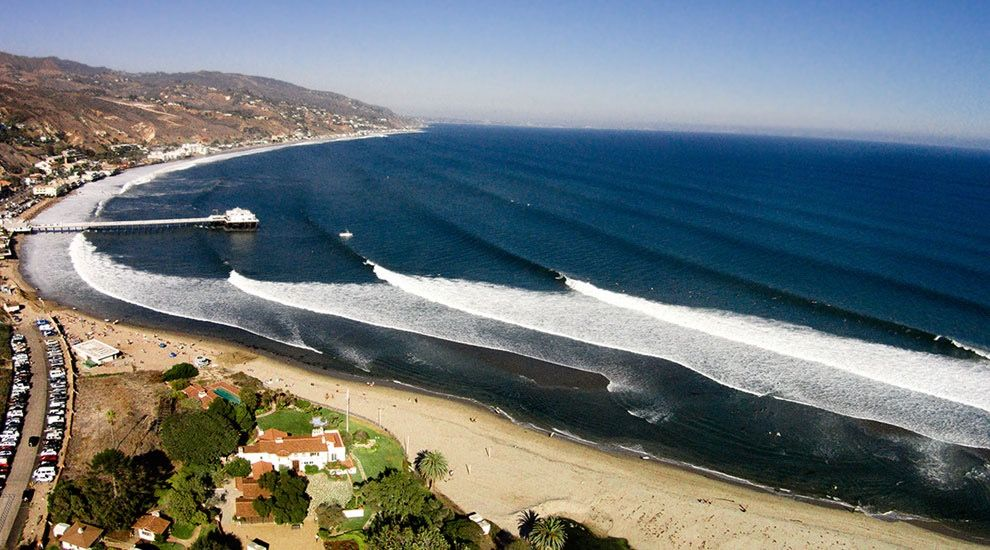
{"x": 57, "y": 397}
{"x": 20, "y": 391}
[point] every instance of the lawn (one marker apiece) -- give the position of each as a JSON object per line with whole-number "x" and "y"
{"x": 169, "y": 546}
{"x": 183, "y": 530}
{"x": 385, "y": 454}
{"x": 292, "y": 421}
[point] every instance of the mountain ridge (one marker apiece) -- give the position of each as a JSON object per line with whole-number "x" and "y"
{"x": 48, "y": 104}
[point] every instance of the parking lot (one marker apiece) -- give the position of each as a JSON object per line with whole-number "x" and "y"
{"x": 34, "y": 426}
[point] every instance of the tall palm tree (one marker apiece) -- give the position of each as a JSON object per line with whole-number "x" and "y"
{"x": 111, "y": 419}
{"x": 549, "y": 533}
{"x": 432, "y": 466}
{"x": 527, "y": 520}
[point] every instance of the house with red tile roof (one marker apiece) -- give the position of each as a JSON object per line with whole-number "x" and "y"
{"x": 295, "y": 452}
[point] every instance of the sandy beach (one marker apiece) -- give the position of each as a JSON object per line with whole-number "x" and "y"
{"x": 500, "y": 469}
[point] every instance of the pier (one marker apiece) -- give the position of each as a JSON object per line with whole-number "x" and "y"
{"x": 235, "y": 219}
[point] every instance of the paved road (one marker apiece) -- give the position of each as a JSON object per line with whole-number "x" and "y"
{"x": 34, "y": 424}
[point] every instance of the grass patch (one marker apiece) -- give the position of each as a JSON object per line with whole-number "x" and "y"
{"x": 183, "y": 530}
{"x": 384, "y": 454}
{"x": 288, "y": 420}
{"x": 169, "y": 546}
{"x": 353, "y": 524}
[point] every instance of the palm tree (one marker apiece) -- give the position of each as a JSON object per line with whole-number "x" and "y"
{"x": 432, "y": 466}
{"x": 111, "y": 419}
{"x": 549, "y": 533}
{"x": 527, "y": 520}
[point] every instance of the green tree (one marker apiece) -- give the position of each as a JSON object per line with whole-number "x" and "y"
{"x": 180, "y": 370}
{"x": 238, "y": 467}
{"x": 402, "y": 498}
{"x": 114, "y": 491}
{"x": 189, "y": 489}
{"x": 289, "y": 502}
{"x": 432, "y": 465}
{"x": 111, "y": 420}
{"x": 395, "y": 537}
{"x": 549, "y": 533}
{"x": 463, "y": 533}
{"x": 198, "y": 437}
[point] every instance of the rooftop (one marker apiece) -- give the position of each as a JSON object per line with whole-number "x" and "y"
{"x": 95, "y": 349}
{"x": 152, "y": 523}
{"x": 82, "y": 535}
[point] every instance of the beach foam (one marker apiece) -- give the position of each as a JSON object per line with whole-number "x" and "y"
{"x": 937, "y": 396}
{"x": 200, "y": 299}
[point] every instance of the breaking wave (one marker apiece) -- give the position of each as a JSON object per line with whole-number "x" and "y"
{"x": 937, "y": 396}
{"x": 199, "y": 299}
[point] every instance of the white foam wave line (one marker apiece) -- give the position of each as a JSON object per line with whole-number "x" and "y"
{"x": 263, "y": 290}
{"x": 417, "y": 305}
{"x": 903, "y": 368}
{"x": 83, "y": 255}
{"x": 981, "y": 352}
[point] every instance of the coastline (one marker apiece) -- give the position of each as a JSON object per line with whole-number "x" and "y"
{"x": 648, "y": 502}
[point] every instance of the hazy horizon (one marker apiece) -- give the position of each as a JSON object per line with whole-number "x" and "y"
{"x": 900, "y": 72}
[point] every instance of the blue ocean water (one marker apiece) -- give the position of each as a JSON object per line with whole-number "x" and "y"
{"x": 803, "y": 314}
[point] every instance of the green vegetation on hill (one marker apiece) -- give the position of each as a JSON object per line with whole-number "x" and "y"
{"x": 114, "y": 491}
{"x": 180, "y": 371}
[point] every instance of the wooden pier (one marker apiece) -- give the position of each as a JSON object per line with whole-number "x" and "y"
{"x": 236, "y": 219}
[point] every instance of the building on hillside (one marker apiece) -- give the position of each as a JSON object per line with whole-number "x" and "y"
{"x": 250, "y": 491}
{"x": 151, "y": 527}
{"x": 295, "y": 452}
{"x": 95, "y": 351}
{"x": 80, "y": 536}
{"x": 50, "y": 190}
{"x": 206, "y": 394}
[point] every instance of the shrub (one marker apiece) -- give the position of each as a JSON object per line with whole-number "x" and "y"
{"x": 198, "y": 437}
{"x": 361, "y": 436}
{"x": 180, "y": 370}
{"x": 238, "y": 467}
{"x": 179, "y": 384}
{"x": 302, "y": 404}
{"x": 311, "y": 469}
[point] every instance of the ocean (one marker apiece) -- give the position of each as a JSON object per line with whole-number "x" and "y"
{"x": 805, "y": 315}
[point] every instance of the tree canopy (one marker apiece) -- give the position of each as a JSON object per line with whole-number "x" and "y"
{"x": 199, "y": 437}
{"x": 402, "y": 499}
{"x": 289, "y": 502}
{"x": 114, "y": 491}
{"x": 179, "y": 371}
{"x": 432, "y": 465}
{"x": 395, "y": 537}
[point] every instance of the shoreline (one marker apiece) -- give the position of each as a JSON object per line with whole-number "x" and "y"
{"x": 301, "y": 379}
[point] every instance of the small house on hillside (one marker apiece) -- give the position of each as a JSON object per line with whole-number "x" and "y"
{"x": 80, "y": 536}
{"x": 295, "y": 452}
{"x": 151, "y": 527}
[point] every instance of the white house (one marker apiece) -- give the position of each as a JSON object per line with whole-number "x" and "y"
{"x": 51, "y": 190}
{"x": 96, "y": 351}
{"x": 282, "y": 450}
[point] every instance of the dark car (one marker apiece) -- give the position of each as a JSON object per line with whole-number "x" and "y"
{"x": 27, "y": 495}
{"x": 34, "y": 440}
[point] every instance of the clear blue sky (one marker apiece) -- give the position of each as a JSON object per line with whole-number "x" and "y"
{"x": 898, "y": 67}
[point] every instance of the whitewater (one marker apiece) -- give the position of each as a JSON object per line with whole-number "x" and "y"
{"x": 937, "y": 396}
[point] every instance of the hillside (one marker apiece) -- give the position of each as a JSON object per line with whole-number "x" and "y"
{"x": 49, "y": 104}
